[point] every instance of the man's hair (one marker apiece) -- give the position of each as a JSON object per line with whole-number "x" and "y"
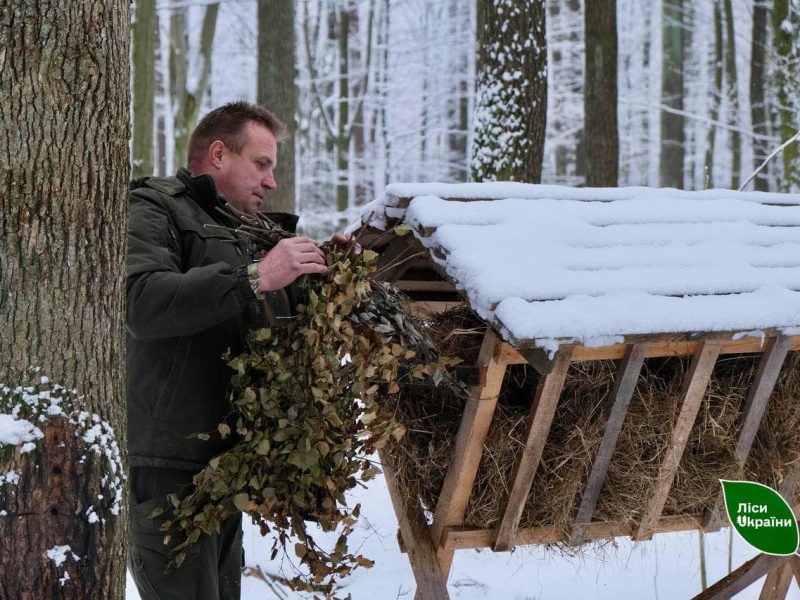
{"x": 227, "y": 123}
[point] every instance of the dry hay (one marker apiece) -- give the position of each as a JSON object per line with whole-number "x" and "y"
{"x": 433, "y": 417}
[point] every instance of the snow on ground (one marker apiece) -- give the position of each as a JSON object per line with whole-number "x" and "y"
{"x": 667, "y": 568}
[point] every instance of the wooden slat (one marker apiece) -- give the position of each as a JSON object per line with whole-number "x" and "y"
{"x": 777, "y": 583}
{"x": 766, "y": 376}
{"x": 622, "y": 392}
{"x": 471, "y": 435}
{"x": 669, "y": 338}
{"x": 694, "y": 388}
{"x": 750, "y": 572}
{"x": 543, "y": 409}
{"x": 794, "y": 562}
{"x": 412, "y": 285}
{"x": 428, "y": 572}
{"x": 433, "y": 307}
{"x": 390, "y": 261}
{"x": 654, "y": 349}
{"x": 458, "y": 538}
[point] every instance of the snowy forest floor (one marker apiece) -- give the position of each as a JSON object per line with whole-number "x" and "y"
{"x": 667, "y": 568}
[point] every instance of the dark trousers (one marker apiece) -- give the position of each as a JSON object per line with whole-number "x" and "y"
{"x": 212, "y": 569}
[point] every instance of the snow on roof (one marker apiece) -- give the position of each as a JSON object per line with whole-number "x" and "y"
{"x": 550, "y": 264}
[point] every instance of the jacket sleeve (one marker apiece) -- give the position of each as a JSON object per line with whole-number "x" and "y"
{"x": 163, "y": 299}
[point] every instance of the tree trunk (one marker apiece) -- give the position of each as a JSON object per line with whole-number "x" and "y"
{"x": 187, "y": 101}
{"x": 672, "y": 134}
{"x": 145, "y": 34}
{"x": 758, "y": 111}
{"x": 716, "y": 92}
{"x": 600, "y": 93}
{"x": 733, "y": 95}
{"x": 277, "y": 89}
{"x": 511, "y": 91}
{"x": 343, "y": 120}
{"x": 64, "y": 125}
{"x": 786, "y": 80}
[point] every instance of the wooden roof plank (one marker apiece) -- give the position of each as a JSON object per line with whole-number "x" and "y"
{"x": 694, "y": 388}
{"x": 472, "y": 431}
{"x": 764, "y": 382}
{"x": 543, "y": 410}
{"x": 622, "y": 392}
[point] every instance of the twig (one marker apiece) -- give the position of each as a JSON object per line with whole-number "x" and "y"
{"x": 794, "y": 138}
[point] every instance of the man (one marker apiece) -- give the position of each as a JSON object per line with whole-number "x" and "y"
{"x": 190, "y": 299}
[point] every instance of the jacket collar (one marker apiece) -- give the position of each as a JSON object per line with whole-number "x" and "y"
{"x": 203, "y": 190}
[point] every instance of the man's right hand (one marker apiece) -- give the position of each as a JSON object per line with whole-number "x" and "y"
{"x": 288, "y": 260}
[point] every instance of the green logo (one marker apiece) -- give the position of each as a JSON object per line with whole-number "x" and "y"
{"x": 761, "y": 516}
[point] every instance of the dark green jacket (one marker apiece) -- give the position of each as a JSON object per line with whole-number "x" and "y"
{"x": 189, "y": 301}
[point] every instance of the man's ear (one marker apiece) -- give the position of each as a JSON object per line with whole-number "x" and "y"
{"x": 216, "y": 150}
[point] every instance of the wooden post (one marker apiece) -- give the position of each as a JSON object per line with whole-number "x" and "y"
{"x": 777, "y": 583}
{"x": 624, "y": 385}
{"x": 543, "y": 409}
{"x": 428, "y": 573}
{"x": 767, "y": 375}
{"x": 694, "y": 388}
{"x": 750, "y": 572}
{"x": 472, "y": 432}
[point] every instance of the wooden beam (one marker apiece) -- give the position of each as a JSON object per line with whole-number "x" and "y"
{"x": 433, "y": 307}
{"x": 414, "y": 285}
{"x": 430, "y": 577}
{"x": 472, "y": 431}
{"x": 654, "y": 349}
{"x": 794, "y": 562}
{"x": 777, "y": 583}
{"x": 764, "y": 382}
{"x": 750, "y": 572}
{"x": 543, "y": 408}
{"x": 622, "y": 392}
{"x": 694, "y": 388}
{"x": 393, "y": 260}
{"x": 461, "y": 538}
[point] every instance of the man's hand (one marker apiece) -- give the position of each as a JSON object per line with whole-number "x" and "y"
{"x": 342, "y": 241}
{"x": 288, "y": 260}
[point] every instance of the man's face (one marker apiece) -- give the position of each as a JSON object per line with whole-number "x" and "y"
{"x": 243, "y": 178}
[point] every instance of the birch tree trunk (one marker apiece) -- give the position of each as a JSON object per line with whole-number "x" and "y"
{"x": 145, "y": 34}
{"x": 758, "y": 111}
{"x": 511, "y": 91}
{"x": 64, "y": 125}
{"x": 600, "y": 93}
{"x": 277, "y": 90}
{"x": 672, "y": 133}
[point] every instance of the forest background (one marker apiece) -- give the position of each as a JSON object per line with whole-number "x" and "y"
{"x": 682, "y": 93}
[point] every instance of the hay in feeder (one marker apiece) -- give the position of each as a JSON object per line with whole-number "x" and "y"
{"x": 432, "y": 418}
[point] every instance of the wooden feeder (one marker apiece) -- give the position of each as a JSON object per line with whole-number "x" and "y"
{"x": 665, "y": 247}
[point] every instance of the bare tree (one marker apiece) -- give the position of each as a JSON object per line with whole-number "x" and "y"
{"x": 188, "y": 95}
{"x": 64, "y": 126}
{"x": 276, "y": 88}
{"x": 600, "y": 93}
{"x": 758, "y": 111}
{"x": 733, "y": 95}
{"x": 716, "y": 92}
{"x": 511, "y": 91}
{"x": 145, "y": 34}
{"x": 672, "y": 132}
{"x": 785, "y": 24}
